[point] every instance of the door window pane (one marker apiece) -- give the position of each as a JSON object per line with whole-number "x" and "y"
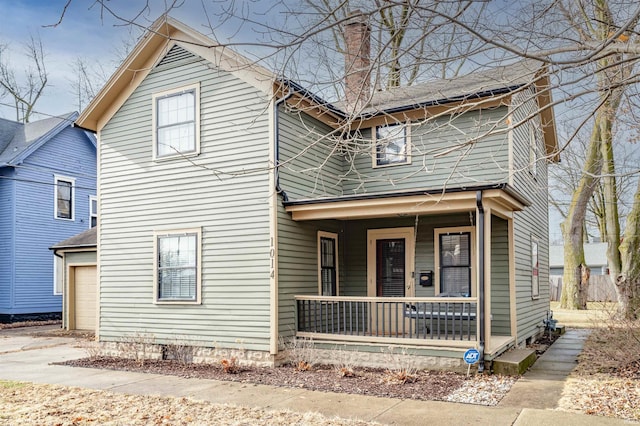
{"x": 390, "y": 265}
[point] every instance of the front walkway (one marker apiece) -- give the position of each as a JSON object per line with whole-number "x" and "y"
{"x": 27, "y": 358}
{"x": 541, "y": 387}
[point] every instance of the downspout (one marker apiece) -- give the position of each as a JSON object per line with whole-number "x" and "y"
{"x": 276, "y": 140}
{"x": 480, "y": 225}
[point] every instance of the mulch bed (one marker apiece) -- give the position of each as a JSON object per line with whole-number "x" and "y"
{"x": 425, "y": 385}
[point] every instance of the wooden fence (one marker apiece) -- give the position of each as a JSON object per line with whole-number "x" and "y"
{"x": 600, "y": 288}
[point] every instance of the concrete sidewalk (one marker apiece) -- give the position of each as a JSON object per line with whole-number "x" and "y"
{"x": 25, "y": 357}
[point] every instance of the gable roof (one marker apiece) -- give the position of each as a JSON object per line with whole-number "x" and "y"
{"x": 162, "y": 35}
{"x": 167, "y": 32}
{"x": 472, "y": 90}
{"x": 18, "y": 140}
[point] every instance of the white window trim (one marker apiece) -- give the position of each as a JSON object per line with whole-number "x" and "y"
{"x": 164, "y": 233}
{"x": 374, "y": 138}
{"x": 334, "y": 236}
{"x": 92, "y": 213}
{"x": 56, "y": 271}
{"x": 196, "y": 88}
{"x": 56, "y": 179}
{"x": 535, "y": 280}
{"x": 436, "y": 246}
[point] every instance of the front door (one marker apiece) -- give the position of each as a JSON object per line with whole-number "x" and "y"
{"x": 390, "y": 273}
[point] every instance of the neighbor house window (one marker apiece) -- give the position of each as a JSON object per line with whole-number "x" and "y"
{"x": 64, "y": 194}
{"x": 392, "y": 145}
{"x": 178, "y": 266}
{"x": 177, "y": 122}
{"x": 93, "y": 210}
{"x": 328, "y": 263}
{"x": 454, "y": 261}
{"x": 535, "y": 269}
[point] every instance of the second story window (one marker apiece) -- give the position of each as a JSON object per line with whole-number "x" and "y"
{"x": 392, "y": 145}
{"x": 63, "y": 207}
{"x": 93, "y": 210}
{"x": 176, "y": 122}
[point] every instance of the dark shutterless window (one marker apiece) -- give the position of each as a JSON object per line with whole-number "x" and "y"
{"x": 64, "y": 199}
{"x": 328, "y": 266}
{"x": 455, "y": 263}
{"x": 93, "y": 211}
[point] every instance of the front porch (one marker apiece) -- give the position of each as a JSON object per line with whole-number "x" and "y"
{"x": 434, "y": 274}
{"x": 428, "y": 322}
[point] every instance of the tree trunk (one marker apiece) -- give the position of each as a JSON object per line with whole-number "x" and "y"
{"x": 572, "y": 226}
{"x": 628, "y": 280}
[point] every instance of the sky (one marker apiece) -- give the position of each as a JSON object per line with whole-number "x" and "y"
{"x": 87, "y": 31}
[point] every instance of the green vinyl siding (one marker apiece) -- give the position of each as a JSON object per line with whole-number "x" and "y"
{"x": 223, "y": 191}
{"x": 500, "y": 301}
{"x": 478, "y": 146}
{"x": 533, "y": 220}
{"x": 310, "y": 164}
{"x": 79, "y": 257}
{"x": 298, "y": 264}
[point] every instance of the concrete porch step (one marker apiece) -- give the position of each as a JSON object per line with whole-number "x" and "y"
{"x": 514, "y": 362}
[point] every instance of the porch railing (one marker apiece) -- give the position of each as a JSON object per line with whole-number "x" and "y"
{"x": 420, "y": 320}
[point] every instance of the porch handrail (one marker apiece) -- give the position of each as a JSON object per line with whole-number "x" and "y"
{"x": 414, "y": 320}
{"x": 435, "y": 299}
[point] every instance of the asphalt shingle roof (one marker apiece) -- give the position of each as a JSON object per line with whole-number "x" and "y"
{"x": 16, "y": 138}
{"x": 88, "y": 238}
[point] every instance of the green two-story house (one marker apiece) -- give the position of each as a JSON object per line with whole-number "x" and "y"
{"x": 238, "y": 210}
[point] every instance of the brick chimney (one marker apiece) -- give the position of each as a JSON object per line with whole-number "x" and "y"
{"x": 357, "y": 61}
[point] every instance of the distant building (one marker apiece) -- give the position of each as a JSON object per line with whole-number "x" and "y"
{"x": 595, "y": 254}
{"x": 47, "y": 194}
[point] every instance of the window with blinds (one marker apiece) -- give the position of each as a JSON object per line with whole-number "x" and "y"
{"x": 177, "y": 267}
{"x": 455, "y": 264}
{"x": 328, "y": 263}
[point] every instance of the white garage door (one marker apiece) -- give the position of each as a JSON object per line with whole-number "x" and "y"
{"x": 85, "y": 297}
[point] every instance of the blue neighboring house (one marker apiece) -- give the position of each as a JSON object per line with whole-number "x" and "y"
{"x": 47, "y": 194}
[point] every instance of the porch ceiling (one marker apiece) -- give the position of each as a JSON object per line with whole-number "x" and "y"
{"x": 391, "y": 205}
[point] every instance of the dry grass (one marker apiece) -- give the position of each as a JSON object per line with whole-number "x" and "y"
{"x": 596, "y": 315}
{"x": 32, "y": 404}
{"x": 606, "y": 380}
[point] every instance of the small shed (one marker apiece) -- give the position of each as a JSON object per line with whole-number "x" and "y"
{"x": 80, "y": 290}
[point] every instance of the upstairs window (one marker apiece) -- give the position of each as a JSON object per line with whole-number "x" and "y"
{"x": 176, "y": 122}
{"x": 177, "y": 267}
{"x": 328, "y": 263}
{"x": 93, "y": 210}
{"x": 64, "y": 194}
{"x": 392, "y": 145}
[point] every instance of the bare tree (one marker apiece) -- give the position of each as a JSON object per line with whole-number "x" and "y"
{"x": 26, "y": 91}
{"x": 591, "y": 46}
